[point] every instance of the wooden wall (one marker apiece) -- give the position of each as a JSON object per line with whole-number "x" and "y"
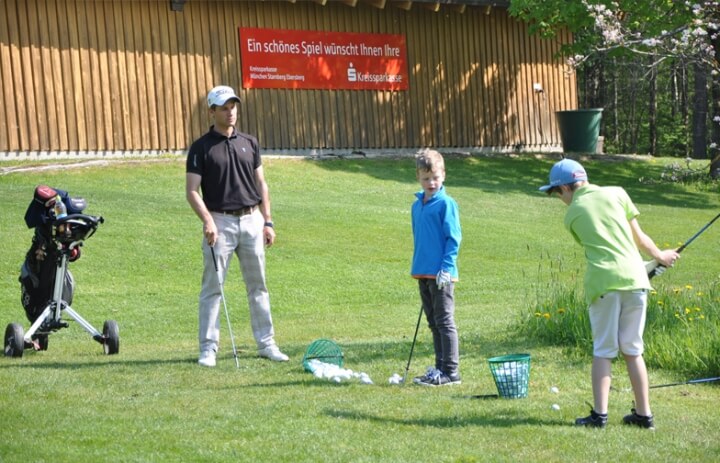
{"x": 132, "y": 75}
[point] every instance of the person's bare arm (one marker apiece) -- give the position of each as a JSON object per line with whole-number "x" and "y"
{"x": 268, "y": 232}
{"x": 192, "y": 194}
{"x": 665, "y": 257}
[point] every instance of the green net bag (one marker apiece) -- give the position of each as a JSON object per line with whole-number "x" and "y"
{"x": 323, "y": 350}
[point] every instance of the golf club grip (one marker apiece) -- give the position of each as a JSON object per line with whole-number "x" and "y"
{"x": 653, "y": 272}
{"x": 682, "y": 247}
{"x": 212, "y": 251}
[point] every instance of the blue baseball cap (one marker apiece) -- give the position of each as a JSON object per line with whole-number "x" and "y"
{"x": 565, "y": 172}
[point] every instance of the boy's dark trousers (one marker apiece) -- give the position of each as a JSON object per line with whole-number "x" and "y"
{"x": 439, "y": 308}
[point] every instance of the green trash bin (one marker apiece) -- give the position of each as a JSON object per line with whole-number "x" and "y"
{"x": 579, "y": 129}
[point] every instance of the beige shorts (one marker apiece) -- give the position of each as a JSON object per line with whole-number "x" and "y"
{"x": 617, "y": 320}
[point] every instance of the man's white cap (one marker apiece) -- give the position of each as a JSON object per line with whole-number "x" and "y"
{"x": 220, "y": 95}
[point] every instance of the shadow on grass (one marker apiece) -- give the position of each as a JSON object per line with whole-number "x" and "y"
{"x": 472, "y": 347}
{"x": 101, "y": 364}
{"x": 524, "y": 174}
{"x": 493, "y": 418}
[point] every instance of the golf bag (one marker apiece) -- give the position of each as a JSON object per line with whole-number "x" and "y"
{"x": 46, "y": 284}
{"x": 37, "y": 273}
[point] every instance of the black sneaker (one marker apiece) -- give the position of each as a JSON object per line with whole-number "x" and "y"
{"x": 429, "y": 373}
{"x": 441, "y": 379}
{"x": 594, "y": 420}
{"x": 645, "y": 422}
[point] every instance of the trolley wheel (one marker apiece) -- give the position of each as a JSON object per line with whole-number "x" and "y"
{"x": 14, "y": 340}
{"x": 111, "y": 337}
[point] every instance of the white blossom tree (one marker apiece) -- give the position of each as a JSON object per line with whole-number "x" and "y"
{"x": 654, "y": 30}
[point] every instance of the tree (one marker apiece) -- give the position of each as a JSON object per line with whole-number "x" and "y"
{"x": 656, "y": 30}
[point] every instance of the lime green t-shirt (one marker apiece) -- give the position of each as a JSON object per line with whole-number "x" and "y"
{"x": 599, "y": 219}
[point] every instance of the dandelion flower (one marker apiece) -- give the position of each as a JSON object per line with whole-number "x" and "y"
{"x": 561, "y": 310}
{"x": 677, "y": 315}
{"x": 697, "y": 309}
{"x": 677, "y": 290}
{"x": 700, "y": 293}
{"x": 702, "y": 317}
{"x": 660, "y": 303}
{"x": 687, "y": 310}
{"x": 688, "y": 287}
{"x": 538, "y": 314}
{"x": 546, "y": 315}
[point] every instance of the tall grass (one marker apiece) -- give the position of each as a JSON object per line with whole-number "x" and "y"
{"x": 682, "y": 327}
{"x": 555, "y": 314}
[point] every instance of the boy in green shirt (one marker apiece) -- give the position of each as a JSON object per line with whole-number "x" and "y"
{"x": 604, "y": 221}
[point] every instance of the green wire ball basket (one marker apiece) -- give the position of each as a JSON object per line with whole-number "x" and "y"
{"x": 511, "y": 374}
{"x": 323, "y": 350}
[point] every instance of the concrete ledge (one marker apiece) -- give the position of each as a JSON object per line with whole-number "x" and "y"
{"x": 62, "y": 155}
{"x": 315, "y": 153}
{"x": 99, "y": 159}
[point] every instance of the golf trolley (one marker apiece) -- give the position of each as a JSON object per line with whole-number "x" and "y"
{"x": 46, "y": 282}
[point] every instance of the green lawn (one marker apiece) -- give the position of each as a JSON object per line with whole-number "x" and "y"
{"x": 339, "y": 270}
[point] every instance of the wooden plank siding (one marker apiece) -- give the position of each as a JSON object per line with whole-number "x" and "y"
{"x": 112, "y": 75}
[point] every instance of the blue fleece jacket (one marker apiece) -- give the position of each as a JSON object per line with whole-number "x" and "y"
{"x": 436, "y": 235}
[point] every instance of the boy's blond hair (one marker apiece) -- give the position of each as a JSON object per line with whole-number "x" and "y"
{"x": 429, "y": 160}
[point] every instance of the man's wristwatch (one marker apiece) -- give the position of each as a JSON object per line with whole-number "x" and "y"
{"x": 269, "y": 224}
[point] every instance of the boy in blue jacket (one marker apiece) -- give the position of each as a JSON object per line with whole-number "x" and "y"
{"x": 436, "y": 237}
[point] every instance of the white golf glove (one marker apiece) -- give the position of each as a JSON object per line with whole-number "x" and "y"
{"x": 653, "y": 265}
{"x": 650, "y": 265}
{"x": 443, "y": 279}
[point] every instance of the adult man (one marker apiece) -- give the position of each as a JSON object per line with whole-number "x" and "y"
{"x": 225, "y": 186}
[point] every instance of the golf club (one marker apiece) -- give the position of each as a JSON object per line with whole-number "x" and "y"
{"x": 412, "y": 347}
{"x": 652, "y": 268}
{"x": 227, "y": 316}
{"x": 691, "y": 381}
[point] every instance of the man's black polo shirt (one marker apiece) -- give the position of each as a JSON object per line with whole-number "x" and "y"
{"x": 227, "y": 167}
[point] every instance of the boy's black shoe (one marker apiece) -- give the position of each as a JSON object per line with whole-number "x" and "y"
{"x": 440, "y": 379}
{"x": 645, "y": 422}
{"x": 594, "y": 420}
{"x": 431, "y": 372}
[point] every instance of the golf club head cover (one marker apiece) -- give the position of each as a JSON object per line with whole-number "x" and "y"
{"x": 38, "y": 212}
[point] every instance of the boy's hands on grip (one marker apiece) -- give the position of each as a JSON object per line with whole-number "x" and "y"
{"x": 654, "y": 265}
{"x": 443, "y": 279}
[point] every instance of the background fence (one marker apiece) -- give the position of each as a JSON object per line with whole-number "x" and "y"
{"x": 132, "y": 75}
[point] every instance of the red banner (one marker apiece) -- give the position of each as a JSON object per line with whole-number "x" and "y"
{"x": 278, "y": 58}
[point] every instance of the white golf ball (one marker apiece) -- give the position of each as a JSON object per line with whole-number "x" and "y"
{"x": 554, "y": 390}
{"x": 555, "y": 407}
